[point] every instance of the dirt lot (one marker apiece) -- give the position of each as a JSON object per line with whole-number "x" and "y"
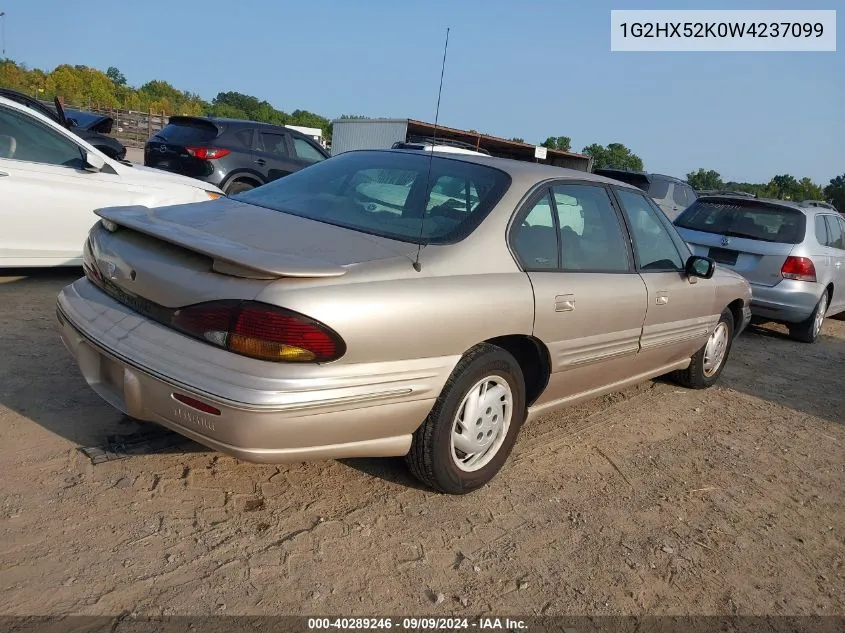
{"x": 656, "y": 500}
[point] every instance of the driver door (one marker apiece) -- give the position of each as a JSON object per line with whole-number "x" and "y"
{"x": 48, "y": 197}
{"x": 680, "y": 310}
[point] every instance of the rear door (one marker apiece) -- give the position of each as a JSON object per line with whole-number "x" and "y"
{"x": 589, "y": 302}
{"x": 680, "y": 308}
{"x": 751, "y": 237}
{"x": 273, "y": 156}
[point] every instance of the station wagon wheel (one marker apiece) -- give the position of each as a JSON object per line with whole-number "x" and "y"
{"x": 470, "y": 431}
{"x": 808, "y": 331}
{"x": 707, "y": 363}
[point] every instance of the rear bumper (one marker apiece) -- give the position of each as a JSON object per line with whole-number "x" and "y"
{"x": 789, "y": 301}
{"x": 363, "y": 415}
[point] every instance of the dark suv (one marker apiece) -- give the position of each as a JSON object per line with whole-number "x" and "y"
{"x": 232, "y": 154}
{"x": 672, "y": 195}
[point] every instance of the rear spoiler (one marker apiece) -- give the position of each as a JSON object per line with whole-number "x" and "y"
{"x": 226, "y": 254}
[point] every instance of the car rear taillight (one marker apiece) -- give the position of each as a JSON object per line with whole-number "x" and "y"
{"x": 260, "y": 331}
{"x": 798, "y": 268}
{"x": 89, "y": 266}
{"x": 207, "y": 153}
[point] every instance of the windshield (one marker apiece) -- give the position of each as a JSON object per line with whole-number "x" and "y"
{"x": 750, "y": 219}
{"x": 388, "y": 194}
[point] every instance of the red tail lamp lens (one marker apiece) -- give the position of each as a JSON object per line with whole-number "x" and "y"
{"x": 798, "y": 268}
{"x": 260, "y": 331}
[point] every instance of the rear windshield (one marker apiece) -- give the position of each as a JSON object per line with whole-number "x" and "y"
{"x": 188, "y": 132}
{"x": 404, "y": 196}
{"x": 750, "y": 219}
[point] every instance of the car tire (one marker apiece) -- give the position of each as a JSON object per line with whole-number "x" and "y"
{"x": 487, "y": 377}
{"x": 808, "y": 331}
{"x": 238, "y": 186}
{"x": 707, "y": 363}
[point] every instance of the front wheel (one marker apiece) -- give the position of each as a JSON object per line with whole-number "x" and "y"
{"x": 468, "y": 435}
{"x": 707, "y": 364}
{"x": 238, "y": 186}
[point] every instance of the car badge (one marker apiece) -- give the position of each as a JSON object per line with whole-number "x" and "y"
{"x": 162, "y": 148}
{"x": 112, "y": 270}
{"x": 726, "y": 240}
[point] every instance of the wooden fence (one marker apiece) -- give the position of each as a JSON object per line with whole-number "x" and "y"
{"x": 131, "y": 127}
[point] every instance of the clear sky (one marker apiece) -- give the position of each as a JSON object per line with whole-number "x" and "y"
{"x": 529, "y": 69}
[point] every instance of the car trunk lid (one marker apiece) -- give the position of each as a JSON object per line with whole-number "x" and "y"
{"x": 222, "y": 249}
{"x": 751, "y": 237}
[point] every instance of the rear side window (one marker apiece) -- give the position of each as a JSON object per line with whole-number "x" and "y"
{"x": 750, "y": 219}
{"x": 834, "y": 231}
{"x": 245, "y": 137}
{"x": 274, "y": 143}
{"x": 821, "y": 230}
{"x": 187, "y": 132}
{"x": 658, "y": 188}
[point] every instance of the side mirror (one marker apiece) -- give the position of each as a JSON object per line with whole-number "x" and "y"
{"x": 698, "y": 266}
{"x": 93, "y": 162}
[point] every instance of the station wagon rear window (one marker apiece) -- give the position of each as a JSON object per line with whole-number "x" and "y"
{"x": 750, "y": 219}
{"x": 402, "y": 196}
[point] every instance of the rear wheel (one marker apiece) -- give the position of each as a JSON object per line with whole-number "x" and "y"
{"x": 707, "y": 364}
{"x": 808, "y": 331}
{"x": 468, "y": 435}
{"x": 238, "y": 186}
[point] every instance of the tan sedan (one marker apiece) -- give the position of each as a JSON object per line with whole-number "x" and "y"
{"x": 386, "y": 303}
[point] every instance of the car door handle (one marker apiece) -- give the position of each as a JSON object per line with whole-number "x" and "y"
{"x": 261, "y": 162}
{"x": 564, "y": 303}
{"x": 661, "y": 299}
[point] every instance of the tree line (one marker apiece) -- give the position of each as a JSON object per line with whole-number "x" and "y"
{"x": 86, "y": 87}
{"x": 83, "y": 86}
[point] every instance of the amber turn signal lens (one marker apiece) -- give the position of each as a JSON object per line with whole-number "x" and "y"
{"x": 267, "y": 350}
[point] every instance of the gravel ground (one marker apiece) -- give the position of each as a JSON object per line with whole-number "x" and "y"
{"x": 655, "y": 500}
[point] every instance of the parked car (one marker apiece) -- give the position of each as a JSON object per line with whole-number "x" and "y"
{"x": 723, "y": 192}
{"x": 51, "y": 181}
{"x": 93, "y": 128}
{"x": 232, "y": 154}
{"x": 793, "y": 256}
{"x": 441, "y": 145}
{"x": 314, "y": 317}
{"x": 672, "y": 195}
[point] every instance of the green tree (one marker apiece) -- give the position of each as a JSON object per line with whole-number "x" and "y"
{"x": 808, "y": 190}
{"x": 117, "y": 77}
{"x": 563, "y": 143}
{"x": 835, "y": 192}
{"x": 784, "y": 186}
{"x": 704, "y": 179}
{"x": 615, "y": 155}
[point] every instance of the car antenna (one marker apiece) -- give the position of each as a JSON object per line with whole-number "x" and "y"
{"x": 416, "y": 264}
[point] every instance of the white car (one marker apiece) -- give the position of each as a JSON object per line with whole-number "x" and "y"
{"x": 51, "y": 181}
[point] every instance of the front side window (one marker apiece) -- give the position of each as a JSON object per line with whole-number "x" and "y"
{"x": 25, "y": 139}
{"x": 306, "y": 151}
{"x": 653, "y": 245}
{"x": 388, "y": 194}
{"x": 591, "y": 237}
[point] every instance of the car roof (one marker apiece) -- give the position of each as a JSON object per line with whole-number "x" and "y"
{"x": 645, "y": 174}
{"x": 808, "y": 210}
{"x": 240, "y": 123}
{"x": 517, "y": 169}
